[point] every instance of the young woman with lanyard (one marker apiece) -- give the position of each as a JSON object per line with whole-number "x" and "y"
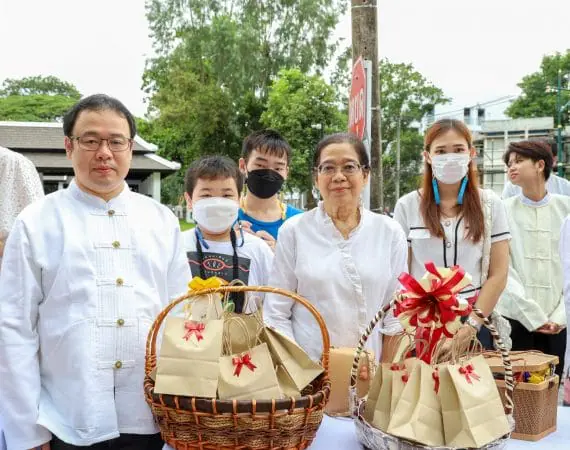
{"x": 452, "y": 222}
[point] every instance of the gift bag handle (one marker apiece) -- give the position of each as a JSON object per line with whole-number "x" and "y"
{"x": 150, "y": 363}
{"x": 509, "y": 381}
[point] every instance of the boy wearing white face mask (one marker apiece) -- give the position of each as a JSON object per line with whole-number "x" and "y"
{"x": 212, "y": 189}
{"x": 452, "y": 222}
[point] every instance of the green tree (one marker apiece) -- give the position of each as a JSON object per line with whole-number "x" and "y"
{"x": 216, "y": 61}
{"x": 245, "y": 43}
{"x": 36, "y": 99}
{"x": 538, "y": 96}
{"x": 407, "y": 96}
{"x": 303, "y": 107}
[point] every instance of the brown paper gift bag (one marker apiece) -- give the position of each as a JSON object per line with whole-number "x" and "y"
{"x": 374, "y": 390}
{"x": 285, "y": 352}
{"x": 473, "y": 414}
{"x": 394, "y": 379}
{"x": 188, "y": 361}
{"x": 204, "y": 307}
{"x": 248, "y": 376}
{"x": 233, "y": 331}
{"x": 286, "y": 384}
{"x": 340, "y": 363}
{"x": 417, "y": 416}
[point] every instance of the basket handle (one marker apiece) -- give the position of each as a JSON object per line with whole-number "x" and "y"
{"x": 153, "y": 333}
{"x": 509, "y": 380}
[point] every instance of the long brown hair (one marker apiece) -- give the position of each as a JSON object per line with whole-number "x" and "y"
{"x": 471, "y": 210}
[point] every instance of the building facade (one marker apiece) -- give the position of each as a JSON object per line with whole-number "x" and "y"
{"x": 493, "y": 139}
{"x": 43, "y": 144}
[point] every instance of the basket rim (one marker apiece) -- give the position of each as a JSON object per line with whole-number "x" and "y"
{"x": 215, "y": 406}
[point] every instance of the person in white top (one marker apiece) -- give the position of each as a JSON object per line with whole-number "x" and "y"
{"x": 533, "y": 300}
{"x": 341, "y": 257}
{"x": 86, "y": 271}
{"x": 565, "y": 259}
{"x": 449, "y": 220}
{"x": 554, "y": 184}
{"x": 213, "y": 185}
{"x": 20, "y": 185}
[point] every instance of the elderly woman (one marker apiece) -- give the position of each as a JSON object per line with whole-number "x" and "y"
{"x": 533, "y": 299}
{"x": 343, "y": 258}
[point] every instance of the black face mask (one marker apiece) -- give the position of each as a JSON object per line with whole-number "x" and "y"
{"x": 264, "y": 183}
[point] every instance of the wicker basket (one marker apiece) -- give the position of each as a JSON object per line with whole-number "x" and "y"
{"x": 375, "y": 439}
{"x": 210, "y": 424}
{"x": 536, "y": 405}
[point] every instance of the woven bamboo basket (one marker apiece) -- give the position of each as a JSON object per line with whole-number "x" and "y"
{"x": 536, "y": 405}
{"x": 375, "y": 439}
{"x": 192, "y": 423}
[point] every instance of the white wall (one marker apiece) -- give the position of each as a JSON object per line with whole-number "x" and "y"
{"x": 151, "y": 186}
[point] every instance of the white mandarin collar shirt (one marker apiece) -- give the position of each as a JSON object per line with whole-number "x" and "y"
{"x": 347, "y": 280}
{"x": 82, "y": 281}
{"x": 534, "y": 291}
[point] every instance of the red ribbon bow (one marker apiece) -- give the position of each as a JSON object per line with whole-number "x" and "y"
{"x": 195, "y": 328}
{"x": 405, "y": 377}
{"x": 430, "y": 311}
{"x": 469, "y": 372}
{"x": 243, "y": 360}
{"x": 435, "y": 376}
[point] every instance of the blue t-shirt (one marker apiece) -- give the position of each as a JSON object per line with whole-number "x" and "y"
{"x": 271, "y": 227}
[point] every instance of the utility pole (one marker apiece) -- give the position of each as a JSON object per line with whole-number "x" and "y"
{"x": 559, "y": 127}
{"x": 364, "y": 15}
{"x": 398, "y": 132}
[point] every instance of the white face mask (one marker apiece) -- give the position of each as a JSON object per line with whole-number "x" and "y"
{"x": 450, "y": 168}
{"x": 215, "y": 214}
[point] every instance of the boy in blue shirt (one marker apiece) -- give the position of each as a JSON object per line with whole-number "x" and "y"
{"x": 265, "y": 160}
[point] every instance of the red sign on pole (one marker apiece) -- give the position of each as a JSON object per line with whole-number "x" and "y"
{"x": 357, "y": 100}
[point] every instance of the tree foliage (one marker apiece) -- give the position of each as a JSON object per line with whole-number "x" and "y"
{"x": 36, "y": 99}
{"x": 538, "y": 97}
{"x": 406, "y": 96}
{"x": 302, "y": 107}
{"x": 216, "y": 62}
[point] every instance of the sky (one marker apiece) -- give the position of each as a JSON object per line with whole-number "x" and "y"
{"x": 476, "y": 51}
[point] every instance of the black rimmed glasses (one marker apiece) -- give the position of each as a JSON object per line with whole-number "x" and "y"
{"x": 93, "y": 143}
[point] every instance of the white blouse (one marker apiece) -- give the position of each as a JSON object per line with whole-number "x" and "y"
{"x": 82, "y": 281}
{"x": 347, "y": 280}
{"x": 20, "y": 185}
{"x": 454, "y": 249}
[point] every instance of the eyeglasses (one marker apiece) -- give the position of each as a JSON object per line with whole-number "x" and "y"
{"x": 347, "y": 169}
{"x": 93, "y": 143}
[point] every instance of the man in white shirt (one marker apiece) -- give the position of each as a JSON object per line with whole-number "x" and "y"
{"x": 20, "y": 185}
{"x": 554, "y": 184}
{"x": 86, "y": 270}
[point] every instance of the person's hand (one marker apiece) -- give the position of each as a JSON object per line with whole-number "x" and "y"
{"x": 245, "y": 226}
{"x": 1, "y": 248}
{"x": 270, "y": 240}
{"x": 363, "y": 374}
{"x": 45, "y": 446}
{"x": 550, "y": 328}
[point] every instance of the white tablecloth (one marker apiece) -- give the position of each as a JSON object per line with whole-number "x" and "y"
{"x": 339, "y": 434}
